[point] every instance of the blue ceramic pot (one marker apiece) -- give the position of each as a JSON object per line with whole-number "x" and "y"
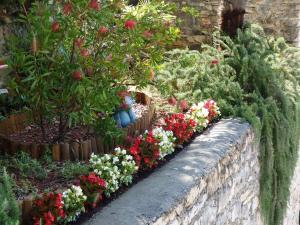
{"x": 124, "y": 117}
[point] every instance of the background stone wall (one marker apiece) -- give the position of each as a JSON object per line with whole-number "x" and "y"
{"x": 278, "y": 17}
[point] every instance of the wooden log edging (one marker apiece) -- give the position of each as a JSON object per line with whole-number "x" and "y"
{"x": 72, "y": 150}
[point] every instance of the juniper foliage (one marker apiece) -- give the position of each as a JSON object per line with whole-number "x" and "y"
{"x": 9, "y": 210}
{"x": 256, "y": 78}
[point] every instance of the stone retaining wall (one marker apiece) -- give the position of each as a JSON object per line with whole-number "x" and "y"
{"x": 213, "y": 182}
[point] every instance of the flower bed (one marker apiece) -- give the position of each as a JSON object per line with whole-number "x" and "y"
{"x": 110, "y": 172}
{"x": 76, "y": 149}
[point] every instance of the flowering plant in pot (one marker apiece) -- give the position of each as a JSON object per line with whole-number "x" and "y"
{"x": 79, "y": 54}
{"x": 93, "y": 187}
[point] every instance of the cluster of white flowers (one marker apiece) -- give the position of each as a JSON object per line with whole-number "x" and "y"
{"x": 115, "y": 169}
{"x": 126, "y": 166}
{"x": 166, "y": 141}
{"x": 199, "y": 114}
{"x": 106, "y": 168}
{"x": 73, "y": 202}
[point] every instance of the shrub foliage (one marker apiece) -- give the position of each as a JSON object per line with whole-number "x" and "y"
{"x": 257, "y": 78}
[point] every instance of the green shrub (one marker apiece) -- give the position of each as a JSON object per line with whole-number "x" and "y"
{"x": 74, "y": 169}
{"x": 256, "y": 78}
{"x": 9, "y": 210}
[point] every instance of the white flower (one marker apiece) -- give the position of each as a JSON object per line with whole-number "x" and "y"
{"x": 166, "y": 141}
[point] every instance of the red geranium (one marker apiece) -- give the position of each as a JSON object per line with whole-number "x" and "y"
{"x": 181, "y": 127}
{"x": 92, "y": 186}
{"x": 129, "y": 24}
{"x": 145, "y": 150}
{"x": 48, "y": 209}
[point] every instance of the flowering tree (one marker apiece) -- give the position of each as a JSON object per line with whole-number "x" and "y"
{"x": 76, "y": 55}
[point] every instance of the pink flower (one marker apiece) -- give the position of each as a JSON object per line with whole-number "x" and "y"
{"x": 67, "y": 8}
{"x": 147, "y": 34}
{"x": 172, "y": 101}
{"x": 84, "y": 53}
{"x": 109, "y": 57}
{"x": 55, "y": 26}
{"x": 183, "y": 105}
{"x": 78, "y": 42}
{"x": 94, "y": 5}
{"x": 129, "y": 24}
{"x": 102, "y": 31}
{"x": 214, "y": 62}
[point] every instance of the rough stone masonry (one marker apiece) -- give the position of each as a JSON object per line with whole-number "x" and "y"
{"x": 215, "y": 181}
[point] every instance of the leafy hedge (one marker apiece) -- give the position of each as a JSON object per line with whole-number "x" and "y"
{"x": 257, "y": 78}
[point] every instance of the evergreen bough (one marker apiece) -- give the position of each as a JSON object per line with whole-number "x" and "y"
{"x": 256, "y": 78}
{"x": 9, "y": 210}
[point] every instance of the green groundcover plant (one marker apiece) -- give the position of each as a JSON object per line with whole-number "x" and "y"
{"x": 257, "y": 78}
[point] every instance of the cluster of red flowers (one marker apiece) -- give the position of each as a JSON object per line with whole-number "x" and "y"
{"x": 181, "y": 127}
{"x": 92, "y": 186}
{"x": 145, "y": 151}
{"x": 210, "y": 106}
{"x": 91, "y": 183}
{"x": 48, "y": 209}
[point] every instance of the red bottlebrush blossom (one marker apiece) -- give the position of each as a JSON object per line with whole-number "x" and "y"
{"x": 183, "y": 105}
{"x": 84, "y": 53}
{"x": 78, "y": 42}
{"x": 145, "y": 151}
{"x": 214, "y": 62}
{"x": 55, "y": 26}
{"x": 129, "y": 24}
{"x": 181, "y": 127}
{"x": 48, "y": 209}
{"x": 76, "y": 75}
{"x": 147, "y": 34}
{"x": 172, "y": 101}
{"x": 102, "y": 31}
{"x": 67, "y": 9}
{"x": 94, "y": 5}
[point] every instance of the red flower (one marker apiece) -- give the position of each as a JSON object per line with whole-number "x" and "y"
{"x": 129, "y": 24}
{"x": 172, "y": 101}
{"x": 147, "y": 34}
{"x": 48, "y": 218}
{"x": 67, "y": 8}
{"x": 180, "y": 126}
{"x": 214, "y": 62}
{"x": 183, "y": 105}
{"x": 55, "y": 26}
{"x": 102, "y": 31}
{"x": 78, "y": 42}
{"x": 94, "y": 5}
{"x": 76, "y": 75}
{"x": 84, "y": 53}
